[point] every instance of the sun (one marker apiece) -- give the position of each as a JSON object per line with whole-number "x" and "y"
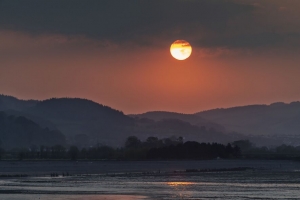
{"x": 181, "y": 49}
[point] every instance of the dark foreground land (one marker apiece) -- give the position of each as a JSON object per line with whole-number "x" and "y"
{"x": 45, "y": 168}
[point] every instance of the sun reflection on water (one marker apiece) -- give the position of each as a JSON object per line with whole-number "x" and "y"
{"x": 180, "y": 183}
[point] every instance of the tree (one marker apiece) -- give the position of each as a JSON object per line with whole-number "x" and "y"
{"x": 132, "y": 142}
{"x": 2, "y": 152}
{"x": 152, "y": 139}
{"x": 73, "y": 152}
{"x": 58, "y": 151}
{"x": 244, "y": 145}
{"x": 152, "y": 142}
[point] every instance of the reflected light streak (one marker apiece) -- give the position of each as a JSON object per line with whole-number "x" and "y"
{"x": 180, "y": 183}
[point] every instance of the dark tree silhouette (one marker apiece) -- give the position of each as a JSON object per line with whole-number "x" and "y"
{"x": 132, "y": 142}
{"x": 73, "y": 152}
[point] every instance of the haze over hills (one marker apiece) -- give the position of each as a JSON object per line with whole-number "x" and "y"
{"x": 274, "y": 119}
{"x": 191, "y": 118}
{"x": 82, "y": 121}
{"x": 263, "y": 124}
{"x": 84, "y": 117}
{"x": 145, "y": 127}
{"x": 86, "y": 123}
{"x": 16, "y": 132}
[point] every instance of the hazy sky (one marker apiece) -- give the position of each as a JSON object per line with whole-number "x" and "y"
{"x": 116, "y": 52}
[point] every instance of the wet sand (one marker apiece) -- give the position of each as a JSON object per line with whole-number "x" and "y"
{"x": 70, "y": 197}
{"x": 45, "y": 168}
{"x": 248, "y": 184}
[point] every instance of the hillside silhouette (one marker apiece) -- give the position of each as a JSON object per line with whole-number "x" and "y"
{"x": 87, "y": 123}
{"x": 77, "y": 117}
{"x": 9, "y": 102}
{"x": 274, "y": 119}
{"x": 191, "y": 118}
{"x": 16, "y": 132}
{"x": 175, "y": 128}
{"x": 263, "y": 124}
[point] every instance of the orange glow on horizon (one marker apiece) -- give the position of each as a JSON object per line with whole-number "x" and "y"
{"x": 145, "y": 79}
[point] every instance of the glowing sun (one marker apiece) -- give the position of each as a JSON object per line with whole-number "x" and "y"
{"x": 181, "y": 49}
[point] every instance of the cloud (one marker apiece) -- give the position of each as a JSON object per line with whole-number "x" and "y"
{"x": 250, "y": 40}
{"x": 119, "y": 20}
{"x": 228, "y": 24}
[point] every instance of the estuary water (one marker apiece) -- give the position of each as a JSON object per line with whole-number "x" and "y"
{"x": 269, "y": 180}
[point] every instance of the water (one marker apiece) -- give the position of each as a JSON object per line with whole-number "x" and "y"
{"x": 272, "y": 180}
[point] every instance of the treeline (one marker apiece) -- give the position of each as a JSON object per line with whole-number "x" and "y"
{"x": 155, "y": 149}
{"x": 250, "y": 151}
{"x": 194, "y": 150}
{"x": 134, "y": 149}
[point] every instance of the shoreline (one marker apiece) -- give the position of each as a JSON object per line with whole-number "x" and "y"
{"x": 149, "y": 173}
{"x": 78, "y": 196}
{"x": 66, "y": 168}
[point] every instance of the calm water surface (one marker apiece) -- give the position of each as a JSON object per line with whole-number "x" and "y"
{"x": 268, "y": 183}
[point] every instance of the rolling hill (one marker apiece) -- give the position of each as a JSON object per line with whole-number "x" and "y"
{"x": 274, "y": 119}
{"x": 263, "y": 124}
{"x": 18, "y": 132}
{"x": 73, "y": 116}
{"x": 86, "y": 123}
{"x": 12, "y": 103}
{"x": 191, "y": 118}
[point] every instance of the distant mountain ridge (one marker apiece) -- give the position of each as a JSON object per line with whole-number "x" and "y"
{"x": 74, "y": 116}
{"x": 9, "y": 102}
{"x": 73, "y": 108}
{"x": 274, "y": 119}
{"x": 264, "y": 124}
{"x": 191, "y": 118}
{"x": 18, "y": 132}
{"x": 177, "y": 127}
{"x": 86, "y": 123}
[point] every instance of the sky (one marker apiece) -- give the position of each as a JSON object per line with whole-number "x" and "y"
{"x": 117, "y": 52}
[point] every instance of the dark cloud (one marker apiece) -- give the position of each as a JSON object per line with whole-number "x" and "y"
{"x": 205, "y": 23}
{"x": 245, "y": 40}
{"x": 119, "y": 20}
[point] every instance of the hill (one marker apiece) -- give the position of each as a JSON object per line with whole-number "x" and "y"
{"x": 276, "y": 121}
{"x": 82, "y": 121}
{"x": 175, "y": 128}
{"x": 263, "y": 124}
{"x": 86, "y": 123}
{"x": 191, "y": 118}
{"x": 81, "y": 118}
{"x": 18, "y": 131}
{"x": 12, "y": 103}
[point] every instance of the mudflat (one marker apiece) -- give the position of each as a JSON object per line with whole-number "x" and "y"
{"x": 43, "y": 168}
{"x": 71, "y": 197}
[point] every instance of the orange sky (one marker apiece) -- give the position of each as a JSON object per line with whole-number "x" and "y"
{"x": 138, "y": 78}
